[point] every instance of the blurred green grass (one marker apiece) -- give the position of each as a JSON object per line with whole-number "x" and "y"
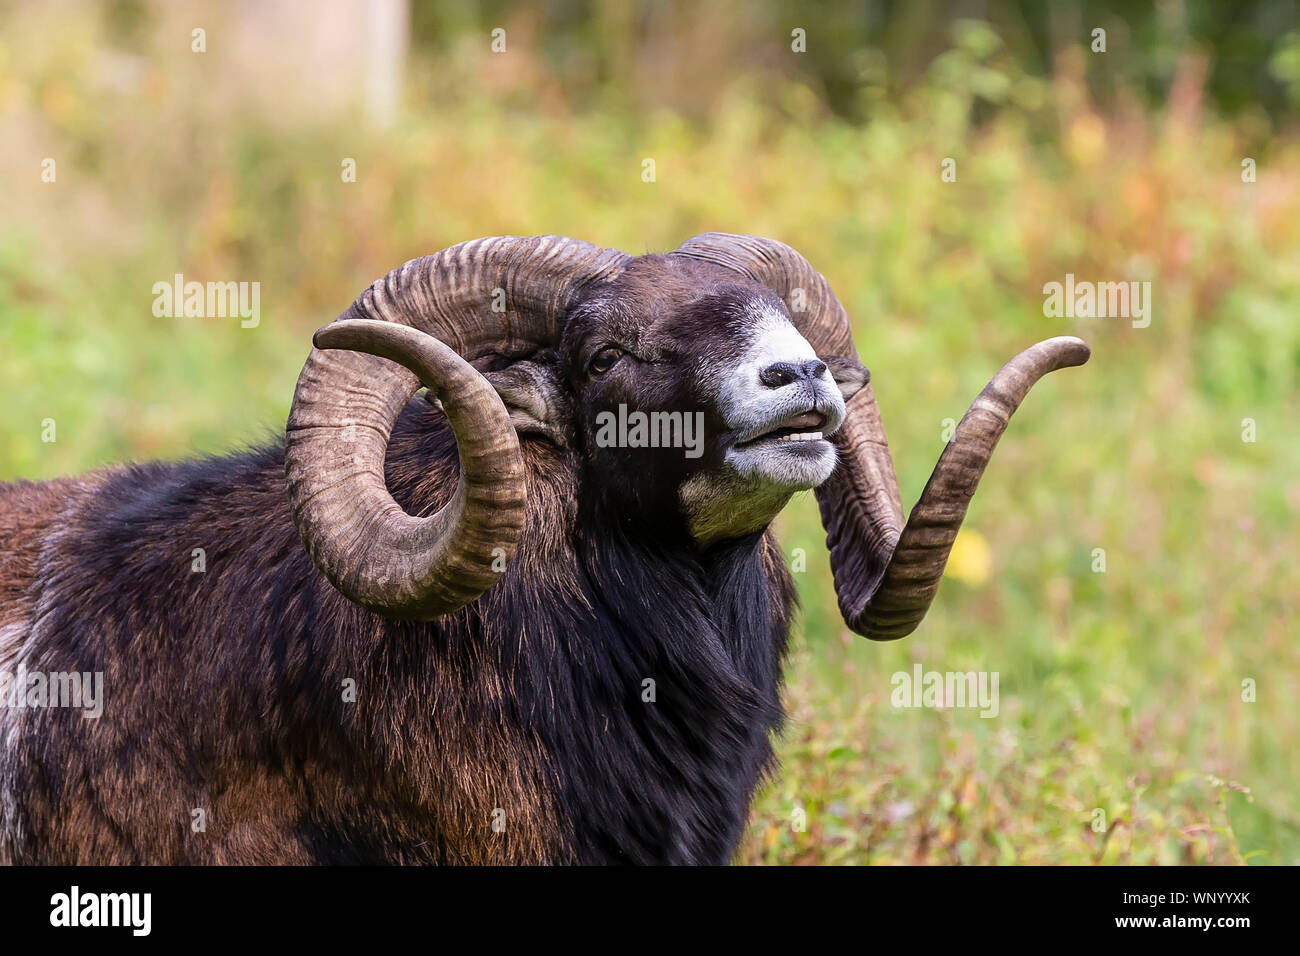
{"x": 1121, "y": 691}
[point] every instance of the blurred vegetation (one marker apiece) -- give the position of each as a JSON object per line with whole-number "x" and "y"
{"x": 863, "y": 54}
{"x": 1120, "y": 690}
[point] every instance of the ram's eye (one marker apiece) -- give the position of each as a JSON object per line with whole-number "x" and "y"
{"x": 604, "y": 360}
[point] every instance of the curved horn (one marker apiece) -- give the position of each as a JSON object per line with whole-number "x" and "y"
{"x": 432, "y": 316}
{"x": 886, "y": 573}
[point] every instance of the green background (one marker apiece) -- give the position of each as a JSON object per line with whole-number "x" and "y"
{"x": 1122, "y": 691}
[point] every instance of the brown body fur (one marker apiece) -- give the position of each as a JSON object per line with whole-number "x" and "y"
{"x": 224, "y": 695}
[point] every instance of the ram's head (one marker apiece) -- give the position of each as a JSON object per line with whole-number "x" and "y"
{"x": 736, "y": 342}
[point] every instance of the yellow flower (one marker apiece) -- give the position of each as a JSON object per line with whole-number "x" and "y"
{"x": 1086, "y": 139}
{"x": 971, "y": 561}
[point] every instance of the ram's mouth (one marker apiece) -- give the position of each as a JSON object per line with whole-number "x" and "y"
{"x": 804, "y": 427}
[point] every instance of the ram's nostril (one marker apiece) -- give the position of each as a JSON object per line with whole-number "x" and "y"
{"x": 778, "y": 374}
{"x": 784, "y": 373}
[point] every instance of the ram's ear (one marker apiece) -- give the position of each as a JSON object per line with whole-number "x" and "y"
{"x": 535, "y": 398}
{"x": 849, "y": 374}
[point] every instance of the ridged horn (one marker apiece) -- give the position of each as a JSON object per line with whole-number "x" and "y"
{"x": 424, "y": 323}
{"x": 886, "y": 572}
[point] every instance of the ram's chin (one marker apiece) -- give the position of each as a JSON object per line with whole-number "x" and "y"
{"x": 789, "y": 463}
{"x": 756, "y": 483}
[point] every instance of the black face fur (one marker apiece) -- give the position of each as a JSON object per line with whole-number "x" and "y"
{"x": 675, "y": 330}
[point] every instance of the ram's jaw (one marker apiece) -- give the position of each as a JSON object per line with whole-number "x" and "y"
{"x": 725, "y": 505}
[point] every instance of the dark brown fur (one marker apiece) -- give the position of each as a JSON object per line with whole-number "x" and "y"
{"x": 224, "y": 687}
{"x": 515, "y": 730}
